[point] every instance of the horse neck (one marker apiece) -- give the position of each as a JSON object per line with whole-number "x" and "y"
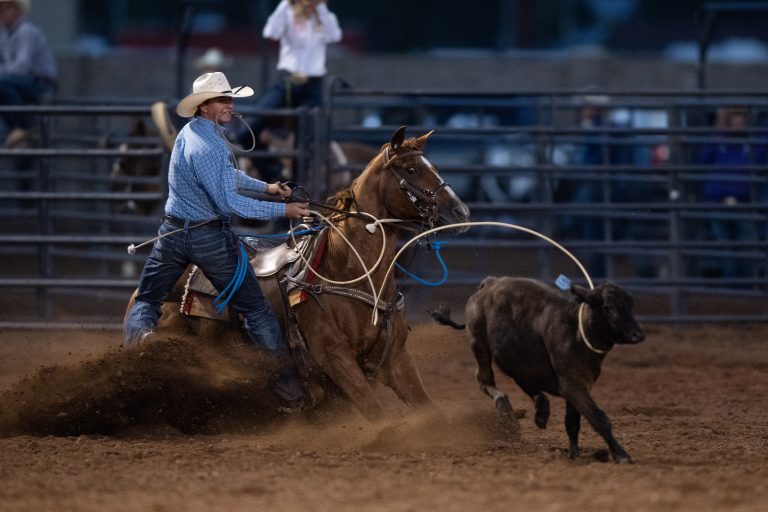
{"x": 368, "y": 245}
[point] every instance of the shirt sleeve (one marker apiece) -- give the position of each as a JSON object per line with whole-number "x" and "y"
{"x": 331, "y": 29}
{"x": 248, "y": 184}
{"x": 220, "y": 179}
{"x": 277, "y": 22}
{"x": 20, "y": 61}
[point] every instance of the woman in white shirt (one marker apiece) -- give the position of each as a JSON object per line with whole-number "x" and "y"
{"x": 304, "y": 29}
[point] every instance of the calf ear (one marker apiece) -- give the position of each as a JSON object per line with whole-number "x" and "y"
{"x": 586, "y": 295}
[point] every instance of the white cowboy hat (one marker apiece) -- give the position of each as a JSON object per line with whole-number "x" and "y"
{"x": 24, "y": 5}
{"x": 207, "y": 86}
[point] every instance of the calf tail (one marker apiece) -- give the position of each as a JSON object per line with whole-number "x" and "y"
{"x": 442, "y": 316}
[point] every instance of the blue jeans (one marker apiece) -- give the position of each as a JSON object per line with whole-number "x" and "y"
{"x": 18, "y": 90}
{"x": 214, "y": 251}
{"x": 286, "y": 94}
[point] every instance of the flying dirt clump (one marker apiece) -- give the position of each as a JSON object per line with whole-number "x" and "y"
{"x": 193, "y": 387}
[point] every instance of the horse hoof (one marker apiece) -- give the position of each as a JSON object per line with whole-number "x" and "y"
{"x": 314, "y": 395}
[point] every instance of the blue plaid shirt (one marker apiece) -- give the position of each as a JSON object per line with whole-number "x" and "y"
{"x": 203, "y": 183}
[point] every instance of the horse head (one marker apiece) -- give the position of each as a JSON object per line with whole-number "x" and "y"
{"x": 411, "y": 187}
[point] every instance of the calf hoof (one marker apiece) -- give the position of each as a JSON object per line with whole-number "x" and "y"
{"x": 505, "y": 408}
{"x": 502, "y": 405}
{"x": 509, "y": 415}
{"x": 541, "y": 405}
{"x": 623, "y": 458}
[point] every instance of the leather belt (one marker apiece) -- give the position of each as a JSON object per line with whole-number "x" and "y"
{"x": 180, "y": 223}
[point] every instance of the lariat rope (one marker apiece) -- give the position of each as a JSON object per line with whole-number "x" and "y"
{"x": 366, "y": 272}
{"x": 584, "y": 335}
{"x": 223, "y": 298}
{"x": 510, "y": 226}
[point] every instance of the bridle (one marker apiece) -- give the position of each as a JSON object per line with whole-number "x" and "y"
{"x": 423, "y": 200}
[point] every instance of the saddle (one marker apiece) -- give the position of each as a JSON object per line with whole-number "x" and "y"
{"x": 199, "y": 292}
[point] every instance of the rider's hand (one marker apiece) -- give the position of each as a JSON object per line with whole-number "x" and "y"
{"x": 296, "y": 210}
{"x": 281, "y": 189}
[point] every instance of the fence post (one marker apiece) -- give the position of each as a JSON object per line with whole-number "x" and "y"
{"x": 676, "y": 156}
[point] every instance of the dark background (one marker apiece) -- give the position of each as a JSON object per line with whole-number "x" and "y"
{"x": 639, "y": 26}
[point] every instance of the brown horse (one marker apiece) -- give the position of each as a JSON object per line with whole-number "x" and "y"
{"x": 343, "y": 342}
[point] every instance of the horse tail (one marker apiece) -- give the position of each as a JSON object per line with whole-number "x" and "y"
{"x": 442, "y": 316}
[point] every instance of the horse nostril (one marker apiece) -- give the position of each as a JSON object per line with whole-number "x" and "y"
{"x": 461, "y": 213}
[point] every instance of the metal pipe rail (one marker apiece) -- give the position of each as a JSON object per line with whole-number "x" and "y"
{"x": 671, "y": 220}
{"x": 661, "y": 217}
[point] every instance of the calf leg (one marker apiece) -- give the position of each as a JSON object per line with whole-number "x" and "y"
{"x": 487, "y": 381}
{"x": 582, "y": 403}
{"x": 572, "y": 427}
{"x": 541, "y": 406}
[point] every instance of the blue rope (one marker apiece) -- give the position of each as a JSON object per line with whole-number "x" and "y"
{"x": 223, "y": 298}
{"x": 416, "y": 278}
{"x": 283, "y": 235}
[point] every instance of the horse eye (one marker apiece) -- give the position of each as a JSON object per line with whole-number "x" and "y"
{"x": 411, "y": 171}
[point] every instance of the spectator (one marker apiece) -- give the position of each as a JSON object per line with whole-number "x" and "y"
{"x": 27, "y": 68}
{"x": 304, "y": 28}
{"x": 729, "y": 156}
{"x": 731, "y": 153}
{"x": 599, "y": 150}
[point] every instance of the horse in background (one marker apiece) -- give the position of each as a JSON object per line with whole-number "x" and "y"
{"x": 345, "y": 348}
{"x": 136, "y": 173}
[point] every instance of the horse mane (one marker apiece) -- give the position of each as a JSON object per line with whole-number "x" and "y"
{"x": 345, "y": 198}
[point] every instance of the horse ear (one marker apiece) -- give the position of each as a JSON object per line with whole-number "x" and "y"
{"x": 397, "y": 139}
{"x": 421, "y": 140}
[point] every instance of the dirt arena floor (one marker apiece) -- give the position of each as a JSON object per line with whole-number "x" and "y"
{"x": 690, "y": 405}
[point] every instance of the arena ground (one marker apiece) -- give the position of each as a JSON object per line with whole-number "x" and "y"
{"x": 690, "y": 405}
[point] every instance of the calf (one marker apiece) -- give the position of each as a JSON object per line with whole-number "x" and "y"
{"x": 533, "y": 333}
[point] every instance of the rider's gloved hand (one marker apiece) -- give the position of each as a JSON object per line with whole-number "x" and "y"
{"x": 280, "y": 189}
{"x": 296, "y": 210}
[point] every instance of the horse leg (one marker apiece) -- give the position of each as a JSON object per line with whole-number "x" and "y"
{"x": 342, "y": 367}
{"x": 402, "y": 376}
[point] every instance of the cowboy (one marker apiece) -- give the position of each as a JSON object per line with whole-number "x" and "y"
{"x": 203, "y": 194}
{"x": 27, "y": 67}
